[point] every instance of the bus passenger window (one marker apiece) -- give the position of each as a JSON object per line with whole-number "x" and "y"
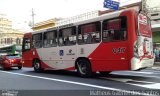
{"x": 37, "y": 40}
{"x": 114, "y": 29}
{"x": 108, "y": 35}
{"x": 89, "y": 33}
{"x": 26, "y": 44}
{"x": 49, "y": 39}
{"x": 67, "y": 36}
{"x": 120, "y": 35}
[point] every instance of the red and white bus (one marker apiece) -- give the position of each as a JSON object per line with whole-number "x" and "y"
{"x": 120, "y": 40}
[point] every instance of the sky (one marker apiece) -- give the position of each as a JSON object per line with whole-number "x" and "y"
{"x": 19, "y": 11}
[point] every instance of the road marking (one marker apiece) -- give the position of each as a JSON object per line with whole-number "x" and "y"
{"x": 150, "y": 86}
{"x": 136, "y": 81}
{"x": 65, "y": 81}
{"x": 125, "y": 80}
{"x": 133, "y": 72}
{"x": 128, "y": 73}
{"x": 117, "y": 79}
{"x": 79, "y": 83}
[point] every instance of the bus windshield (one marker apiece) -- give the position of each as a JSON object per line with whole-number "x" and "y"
{"x": 144, "y": 25}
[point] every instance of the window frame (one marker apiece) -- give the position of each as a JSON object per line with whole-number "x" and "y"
{"x": 24, "y": 43}
{"x": 124, "y": 29}
{"x": 39, "y": 41}
{"x": 56, "y": 37}
{"x": 65, "y": 39}
{"x": 97, "y": 30}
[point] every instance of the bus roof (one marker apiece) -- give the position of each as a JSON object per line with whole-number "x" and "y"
{"x": 99, "y": 18}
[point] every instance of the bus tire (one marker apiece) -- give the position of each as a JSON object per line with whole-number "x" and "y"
{"x": 37, "y": 65}
{"x": 84, "y": 68}
{"x": 19, "y": 67}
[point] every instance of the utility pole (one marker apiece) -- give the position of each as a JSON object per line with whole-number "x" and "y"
{"x": 33, "y": 17}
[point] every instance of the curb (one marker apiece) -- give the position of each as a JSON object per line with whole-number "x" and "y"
{"x": 156, "y": 68}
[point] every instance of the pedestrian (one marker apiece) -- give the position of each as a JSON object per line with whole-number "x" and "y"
{"x": 156, "y": 54}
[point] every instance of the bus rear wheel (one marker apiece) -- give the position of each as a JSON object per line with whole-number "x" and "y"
{"x": 37, "y": 66}
{"x": 84, "y": 68}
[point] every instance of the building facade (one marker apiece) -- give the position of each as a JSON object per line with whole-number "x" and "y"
{"x": 154, "y": 14}
{"x": 63, "y": 21}
{"x": 45, "y": 24}
{"x": 77, "y": 18}
{"x": 9, "y": 36}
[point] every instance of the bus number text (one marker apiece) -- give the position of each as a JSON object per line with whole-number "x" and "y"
{"x": 118, "y": 50}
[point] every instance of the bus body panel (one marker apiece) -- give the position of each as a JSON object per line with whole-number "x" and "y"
{"x": 110, "y": 56}
{"x": 64, "y": 57}
{"x": 59, "y": 58}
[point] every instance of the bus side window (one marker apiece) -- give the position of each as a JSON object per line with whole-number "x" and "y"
{"x": 120, "y": 35}
{"x": 80, "y": 37}
{"x": 89, "y": 33}
{"x": 37, "y": 40}
{"x": 117, "y": 28}
{"x": 67, "y": 36}
{"x": 26, "y": 44}
{"x": 108, "y": 35}
{"x": 49, "y": 39}
{"x": 60, "y": 39}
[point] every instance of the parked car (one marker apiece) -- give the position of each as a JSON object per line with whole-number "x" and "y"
{"x": 9, "y": 61}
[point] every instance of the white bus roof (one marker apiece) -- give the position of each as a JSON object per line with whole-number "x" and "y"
{"x": 99, "y": 18}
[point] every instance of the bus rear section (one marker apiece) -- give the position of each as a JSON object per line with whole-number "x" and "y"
{"x": 143, "y": 46}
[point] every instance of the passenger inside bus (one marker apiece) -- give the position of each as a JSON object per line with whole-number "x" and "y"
{"x": 67, "y": 41}
{"x": 110, "y": 35}
{"x": 89, "y": 39}
{"x": 61, "y": 41}
{"x": 94, "y": 39}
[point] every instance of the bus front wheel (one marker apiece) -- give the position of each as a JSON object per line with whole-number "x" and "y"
{"x": 84, "y": 68}
{"x": 37, "y": 65}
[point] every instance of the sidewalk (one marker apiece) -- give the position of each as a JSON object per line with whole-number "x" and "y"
{"x": 156, "y": 65}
